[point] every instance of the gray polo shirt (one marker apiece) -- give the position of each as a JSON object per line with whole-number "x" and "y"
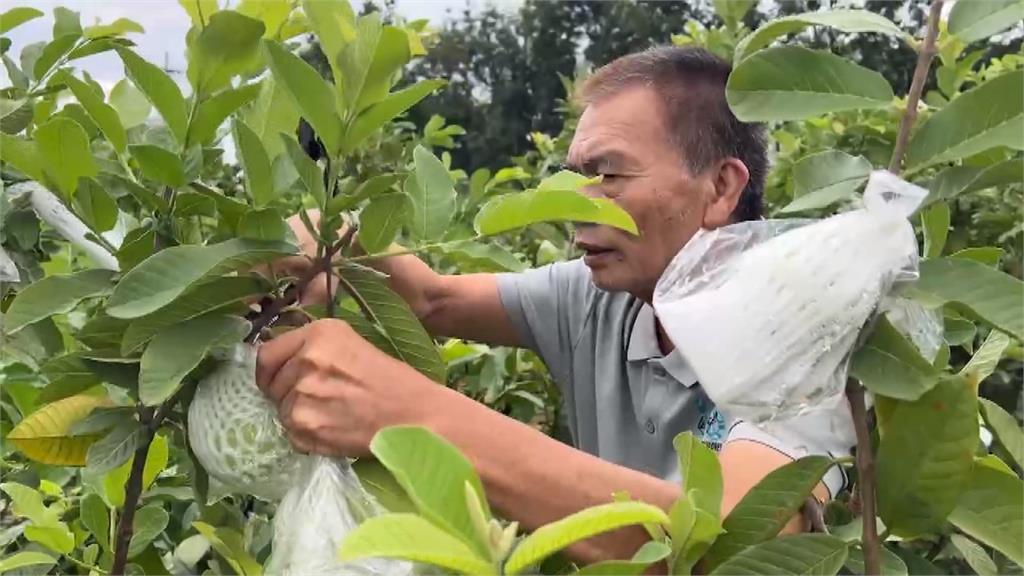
{"x": 624, "y": 400}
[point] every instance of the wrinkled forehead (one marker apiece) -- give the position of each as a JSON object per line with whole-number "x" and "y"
{"x": 625, "y": 126}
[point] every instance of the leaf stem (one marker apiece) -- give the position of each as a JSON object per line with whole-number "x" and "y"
{"x": 924, "y": 62}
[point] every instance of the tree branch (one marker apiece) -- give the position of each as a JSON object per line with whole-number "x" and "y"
{"x": 865, "y": 477}
{"x": 924, "y": 62}
{"x": 132, "y": 493}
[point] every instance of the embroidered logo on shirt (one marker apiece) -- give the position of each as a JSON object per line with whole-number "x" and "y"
{"x": 711, "y": 425}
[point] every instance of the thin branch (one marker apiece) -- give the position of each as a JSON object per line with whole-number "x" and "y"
{"x": 924, "y": 62}
{"x": 132, "y": 493}
{"x": 865, "y": 477}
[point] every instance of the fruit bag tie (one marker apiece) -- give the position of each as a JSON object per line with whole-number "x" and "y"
{"x": 234, "y": 432}
{"x": 768, "y": 312}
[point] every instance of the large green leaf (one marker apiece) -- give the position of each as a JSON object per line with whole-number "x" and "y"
{"x": 985, "y": 360}
{"x": 957, "y": 180}
{"x": 22, "y": 154}
{"x": 227, "y": 46}
{"x": 161, "y": 91}
{"x": 96, "y": 207}
{"x": 211, "y": 113}
{"x": 115, "y": 448}
{"x": 989, "y": 508}
{"x": 582, "y": 525}
{"x": 308, "y": 91}
{"x": 1005, "y": 428}
{"x": 335, "y": 25}
{"x": 890, "y": 365}
{"x": 648, "y": 554}
{"x": 25, "y": 559}
{"x": 96, "y": 518}
{"x": 974, "y": 20}
{"x": 842, "y": 20}
{"x": 131, "y": 105}
{"x": 386, "y": 110}
{"x": 434, "y": 474}
{"x": 976, "y": 290}
{"x": 767, "y": 507}
{"x": 521, "y": 209}
{"x": 56, "y": 294}
{"x": 369, "y": 63}
{"x": 389, "y": 311}
{"x": 812, "y": 554}
{"x": 700, "y": 471}
{"x": 51, "y": 53}
{"x": 984, "y": 117}
{"x": 255, "y": 163}
{"x": 380, "y": 221}
{"x": 792, "y": 83}
{"x": 310, "y": 174}
{"x": 919, "y": 482}
{"x": 15, "y": 115}
{"x": 167, "y": 274}
{"x": 272, "y": 113}
{"x": 44, "y": 435}
{"x": 64, "y": 147}
{"x": 175, "y": 351}
{"x": 230, "y": 544}
{"x": 202, "y": 299}
{"x": 17, "y": 16}
{"x": 433, "y": 197}
{"x": 101, "y": 113}
{"x": 149, "y": 522}
{"x": 481, "y": 257}
{"x": 826, "y": 177}
{"x": 118, "y": 27}
{"x": 975, "y": 556}
{"x": 262, "y": 224}
{"x": 159, "y": 164}
{"x": 413, "y": 538}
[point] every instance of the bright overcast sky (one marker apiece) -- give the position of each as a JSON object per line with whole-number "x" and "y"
{"x": 166, "y": 23}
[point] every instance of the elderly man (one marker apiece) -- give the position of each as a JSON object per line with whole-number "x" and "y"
{"x": 657, "y": 128}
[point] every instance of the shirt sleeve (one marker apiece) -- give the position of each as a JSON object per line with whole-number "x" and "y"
{"x": 825, "y": 433}
{"x": 546, "y": 305}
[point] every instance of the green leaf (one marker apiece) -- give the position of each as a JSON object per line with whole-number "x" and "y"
{"x": 850, "y": 21}
{"x": 987, "y": 255}
{"x": 683, "y": 517}
{"x": 64, "y": 147}
{"x": 263, "y": 224}
{"x": 792, "y": 83}
{"x": 138, "y": 245}
{"x": 43, "y": 436}
{"x": 159, "y": 164}
{"x": 272, "y": 113}
{"x": 959, "y": 332}
{"x": 56, "y": 294}
{"x": 22, "y": 154}
{"x": 255, "y": 164}
{"x": 919, "y": 482}
{"x": 382, "y": 485}
{"x": 481, "y": 257}
{"x": 825, "y": 178}
{"x": 102, "y": 419}
{"x": 118, "y": 27}
{"x": 521, "y": 209}
{"x": 567, "y": 180}
{"x": 369, "y": 63}
{"x": 380, "y": 221}
{"x": 767, "y": 507}
{"x": 56, "y": 537}
{"x": 66, "y": 22}
{"x": 199, "y": 11}
{"x": 370, "y": 188}
{"x": 733, "y": 11}
{"x": 700, "y": 471}
{"x": 230, "y": 544}
{"x": 226, "y": 47}
{"x": 96, "y": 518}
{"x": 95, "y": 206}
{"x": 977, "y": 20}
{"x": 985, "y": 360}
{"x": 975, "y": 290}
{"x": 433, "y": 197}
{"x": 987, "y": 116}
{"x": 387, "y": 109}
{"x": 988, "y": 510}
{"x": 408, "y": 337}
{"x": 212, "y": 112}
{"x": 167, "y": 274}
{"x": 131, "y": 104}
{"x": 156, "y": 460}
{"x": 335, "y": 25}
{"x": 976, "y": 556}
{"x": 310, "y": 174}
{"x": 413, "y": 538}
{"x": 935, "y": 224}
{"x": 434, "y": 474}
{"x": 198, "y": 301}
{"x": 818, "y": 554}
{"x": 582, "y": 525}
{"x": 28, "y": 503}
{"x": 114, "y": 449}
{"x": 24, "y": 559}
{"x": 51, "y": 53}
{"x": 647, "y": 555}
{"x": 149, "y": 522}
{"x": 892, "y": 565}
{"x": 1005, "y": 428}
{"x": 308, "y": 91}
{"x": 161, "y": 91}
{"x": 17, "y": 16}
{"x": 175, "y": 351}
{"x": 890, "y": 365}
{"x": 15, "y": 115}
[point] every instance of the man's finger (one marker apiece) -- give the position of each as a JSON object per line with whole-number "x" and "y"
{"x": 286, "y": 378}
{"x": 272, "y": 355}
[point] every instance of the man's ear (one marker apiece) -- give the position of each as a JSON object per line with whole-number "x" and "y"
{"x": 727, "y": 184}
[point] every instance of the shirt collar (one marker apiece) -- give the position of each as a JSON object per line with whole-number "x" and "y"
{"x": 643, "y": 346}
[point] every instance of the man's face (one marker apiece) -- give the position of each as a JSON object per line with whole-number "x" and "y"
{"x": 624, "y": 139}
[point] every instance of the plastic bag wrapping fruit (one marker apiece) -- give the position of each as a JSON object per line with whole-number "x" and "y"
{"x": 768, "y": 312}
{"x": 234, "y": 432}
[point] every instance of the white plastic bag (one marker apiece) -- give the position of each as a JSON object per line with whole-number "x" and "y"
{"x": 234, "y": 433}
{"x": 767, "y": 312}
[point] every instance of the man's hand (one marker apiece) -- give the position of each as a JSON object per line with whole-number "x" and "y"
{"x": 334, "y": 390}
